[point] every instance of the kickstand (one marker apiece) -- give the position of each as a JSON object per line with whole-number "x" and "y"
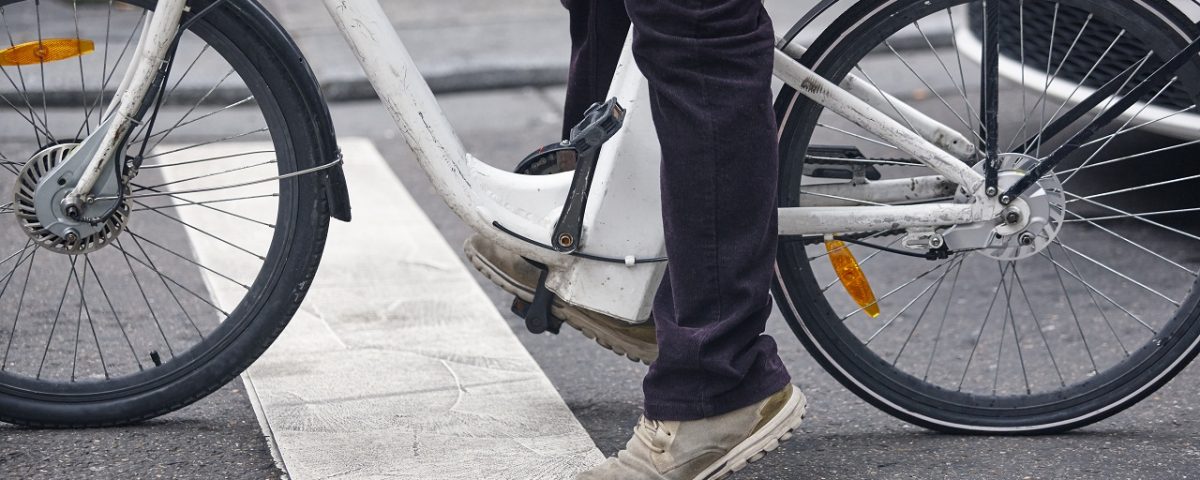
{"x": 538, "y": 317}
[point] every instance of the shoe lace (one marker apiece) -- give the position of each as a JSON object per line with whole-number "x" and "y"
{"x": 652, "y": 434}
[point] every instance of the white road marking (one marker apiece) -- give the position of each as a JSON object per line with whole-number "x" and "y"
{"x": 398, "y": 365}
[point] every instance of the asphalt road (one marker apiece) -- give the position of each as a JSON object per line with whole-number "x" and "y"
{"x": 843, "y": 438}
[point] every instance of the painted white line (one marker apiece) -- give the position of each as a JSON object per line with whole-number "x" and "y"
{"x": 397, "y": 365}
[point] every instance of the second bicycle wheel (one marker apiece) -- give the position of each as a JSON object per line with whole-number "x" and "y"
{"x": 151, "y": 306}
{"x": 1100, "y": 311}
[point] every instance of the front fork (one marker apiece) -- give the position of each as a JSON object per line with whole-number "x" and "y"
{"x": 102, "y": 146}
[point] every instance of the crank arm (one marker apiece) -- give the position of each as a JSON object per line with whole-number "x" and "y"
{"x": 600, "y": 123}
{"x": 106, "y": 142}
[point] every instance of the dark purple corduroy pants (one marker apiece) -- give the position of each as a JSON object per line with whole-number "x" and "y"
{"x": 709, "y": 66}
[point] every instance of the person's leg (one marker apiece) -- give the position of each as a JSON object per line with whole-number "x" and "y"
{"x": 598, "y": 32}
{"x": 709, "y": 65}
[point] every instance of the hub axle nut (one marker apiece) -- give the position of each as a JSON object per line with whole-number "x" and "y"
{"x": 1012, "y": 216}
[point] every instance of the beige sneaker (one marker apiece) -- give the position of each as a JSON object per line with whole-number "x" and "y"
{"x": 520, "y": 278}
{"x": 706, "y": 449}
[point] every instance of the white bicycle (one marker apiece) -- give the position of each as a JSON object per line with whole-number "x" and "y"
{"x": 991, "y": 245}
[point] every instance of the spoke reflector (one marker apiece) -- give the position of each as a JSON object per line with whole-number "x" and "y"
{"x": 49, "y": 50}
{"x": 852, "y": 276}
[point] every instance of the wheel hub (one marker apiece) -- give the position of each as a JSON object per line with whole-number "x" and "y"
{"x": 1027, "y": 226}
{"x": 38, "y": 207}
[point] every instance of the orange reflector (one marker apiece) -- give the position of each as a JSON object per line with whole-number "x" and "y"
{"x": 852, "y": 276}
{"x": 49, "y": 50}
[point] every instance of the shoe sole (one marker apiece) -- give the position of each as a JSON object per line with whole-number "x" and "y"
{"x": 577, "y": 321}
{"x": 780, "y": 429}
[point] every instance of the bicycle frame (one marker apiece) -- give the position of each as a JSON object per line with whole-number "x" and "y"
{"x": 623, "y": 218}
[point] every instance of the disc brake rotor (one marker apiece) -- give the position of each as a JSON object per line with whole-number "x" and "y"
{"x": 1038, "y": 215}
{"x": 45, "y": 223}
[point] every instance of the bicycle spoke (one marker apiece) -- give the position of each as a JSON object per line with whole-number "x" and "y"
{"x": 937, "y": 338}
{"x": 207, "y": 143}
{"x": 921, "y": 79}
{"x": 83, "y": 310}
{"x": 82, "y": 79}
{"x": 1055, "y": 127}
{"x": 1129, "y": 157}
{"x": 206, "y": 159}
{"x": 1125, "y": 130}
{"x": 1095, "y": 290}
{"x": 24, "y": 90}
{"x": 18, "y": 254}
{"x": 1092, "y": 222}
{"x": 962, "y": 91}
{"x": 1134, "y": 216}
{"x": 1038, "y": 323}
{"x": 925, "y": 310}
{"x": 206, "y": 205}
{"x": 983, "y": 328}
{"x": 186, "y": 259}
{"x": 1078, "y": 326}
{"x": 206, "y": 175}
{"x": 1003, "y": 330}
{"x": 57, "y": 314}
{"x": 937, "y": 283}
{"x": 167, "y": 278}
{"x": 204, "y": 232}
{"x": 146, "y": 299}
{"x": 116, "y": 316}
{"x": 1134, "y": 189}
{"x": 855, "y": 135}
{"x": 20, "y": 304}
{"x": 163, "y": 278}
{"x": 1115, "y": 272}
{"x": 1123, "y": 126}
{"x": 213, "y": 202}
{"x": 885, "y": 97}
{"x": 844, "y": 199}
{"x": 181, "y": 123}
{"x": 105, "y": 72}
{"x": 191, "y": 109}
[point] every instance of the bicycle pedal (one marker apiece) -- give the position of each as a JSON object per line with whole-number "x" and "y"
{"x": 538, "y": 316}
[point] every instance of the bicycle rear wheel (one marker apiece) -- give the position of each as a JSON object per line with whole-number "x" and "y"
{"x": 1102, "y": 314}
{"x": 209, "y": 255}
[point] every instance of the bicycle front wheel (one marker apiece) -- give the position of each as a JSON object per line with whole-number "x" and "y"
{"x": 1099, "y": 311}
{"x": 192, "y": 275}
